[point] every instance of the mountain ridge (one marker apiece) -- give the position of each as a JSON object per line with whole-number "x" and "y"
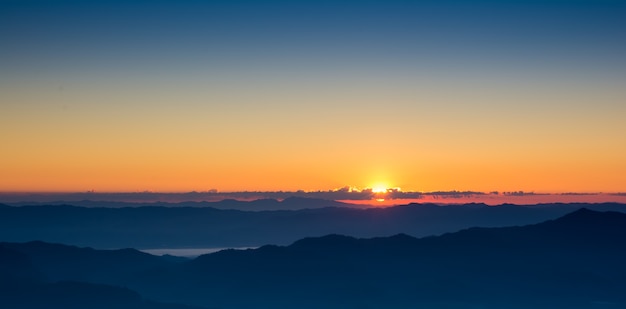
{"x": 152, "y": 227}
{"x": 514, "y": 267}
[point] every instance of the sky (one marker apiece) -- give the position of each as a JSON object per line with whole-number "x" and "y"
{"x": 241, "y": 95}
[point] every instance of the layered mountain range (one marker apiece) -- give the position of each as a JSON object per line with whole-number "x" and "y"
{"x": 574, "y": 261}
{"x": 182, "y": 226}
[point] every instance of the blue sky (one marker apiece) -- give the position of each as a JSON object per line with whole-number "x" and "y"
{"x": 307, "y": 86}
{"x": 214, "y": 33}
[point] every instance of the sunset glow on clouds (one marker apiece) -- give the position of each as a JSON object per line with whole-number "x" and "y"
{"x": 236, "y": 95}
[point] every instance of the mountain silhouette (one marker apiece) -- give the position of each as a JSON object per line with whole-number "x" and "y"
{"x": 151, "y": 227}
{"x": 290, "y": 203}
{"x": 575, "y": 261}
{"x": 62, "y": 262}
{"x": 26, "y": 269}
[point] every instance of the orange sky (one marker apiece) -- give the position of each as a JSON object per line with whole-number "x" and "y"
{"x": 173, "y": 140}
{"x": 93, "y": 99}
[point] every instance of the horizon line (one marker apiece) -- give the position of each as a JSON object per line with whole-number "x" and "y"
{"x": 340, "y": 190}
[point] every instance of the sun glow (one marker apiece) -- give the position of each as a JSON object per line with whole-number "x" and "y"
{"x": 379, "y": 189}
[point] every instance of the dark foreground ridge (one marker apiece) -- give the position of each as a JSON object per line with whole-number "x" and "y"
{"x": 150, "y": 227}
{"x": 39, "y": 275}
{"x": 575, "y": 261}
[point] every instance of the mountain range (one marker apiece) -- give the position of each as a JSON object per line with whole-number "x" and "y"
{"x": 289, "y": 203}
{"x": 153, "y": 227}
{"x": 574, "y": 261}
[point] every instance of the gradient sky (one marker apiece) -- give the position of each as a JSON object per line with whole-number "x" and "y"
{"x": 286, "y": 95}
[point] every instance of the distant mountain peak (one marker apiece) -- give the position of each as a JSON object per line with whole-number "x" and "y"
{"x": 584, "y": 210}
{"x": 298, "y": 198}
{"x": 310, "y": 201}
{"x": 402, "y": 236}
{"x": 328, "y": 240}
{"x": 587, "y": 215}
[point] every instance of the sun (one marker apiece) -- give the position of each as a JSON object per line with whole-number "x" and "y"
{"x": 379, "y": 189}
